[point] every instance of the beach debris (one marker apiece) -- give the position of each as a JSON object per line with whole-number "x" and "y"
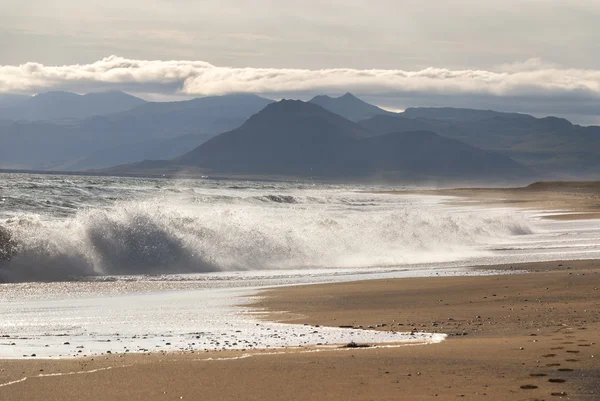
{"x": 352, "y": 344}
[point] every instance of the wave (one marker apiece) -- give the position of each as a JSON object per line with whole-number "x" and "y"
{"x": 177, "y": 235}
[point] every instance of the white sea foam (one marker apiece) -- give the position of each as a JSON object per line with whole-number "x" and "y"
{"x": 183, "y": 234}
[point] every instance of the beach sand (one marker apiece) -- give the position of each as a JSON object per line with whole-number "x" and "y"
{"x": 505, "y": 332}
{"x": 569, "y": 200}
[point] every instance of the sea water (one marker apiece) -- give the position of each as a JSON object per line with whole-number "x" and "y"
{"x": 92, "y": 265}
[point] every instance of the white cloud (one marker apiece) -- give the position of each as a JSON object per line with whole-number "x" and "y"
{"x": 531, "y": 78}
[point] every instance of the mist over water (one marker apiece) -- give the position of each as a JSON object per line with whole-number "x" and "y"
{"x": 118, "y": 226}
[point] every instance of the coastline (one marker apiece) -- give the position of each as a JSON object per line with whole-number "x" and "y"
{"x": 522, "y": 336}
{"x": 548, "y": 312}
{"x": 562, "y": 200}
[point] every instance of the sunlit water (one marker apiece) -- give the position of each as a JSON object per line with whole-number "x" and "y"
{"x": 153, "y": 264}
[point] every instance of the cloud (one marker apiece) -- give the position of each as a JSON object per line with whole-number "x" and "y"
{"x": 531, "y": 78}
{"x": 533, "y": 86}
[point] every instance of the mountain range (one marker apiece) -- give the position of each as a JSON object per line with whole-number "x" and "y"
{"x": 149, "y": 130}
{"x": 547, "y": 145}
{"x": 292, "y": 138}
{"x": 62, "y": 131}
{"x": 66, "y": 105}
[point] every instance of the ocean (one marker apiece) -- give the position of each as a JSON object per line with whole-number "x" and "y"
{"x": 90, "y": 265}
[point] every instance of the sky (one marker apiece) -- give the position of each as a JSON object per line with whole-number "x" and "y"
{"x": 536, "y": 56}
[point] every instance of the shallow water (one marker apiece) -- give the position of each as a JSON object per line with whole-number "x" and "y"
{"x": 165, "y": 265}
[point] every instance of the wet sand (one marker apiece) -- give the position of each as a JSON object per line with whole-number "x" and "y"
{"x": 512, "y": 337}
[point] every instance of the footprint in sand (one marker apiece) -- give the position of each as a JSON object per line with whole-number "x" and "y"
{"x": 552, "y": 364}
{"x": 573, "y": 352}
{"x": 538, "y": 374}
{"x": 556, "y": 380}
{"x": 568, "y": 342}
{"x": 555, "y": 348}
{"x": 572, "y": 360}
{"x": 528, "y": 387}
{"x": 583, "y": 345}
{"x": 560, "y": 394}
{"x": 565, "y": 370}
{"x": 548, "y": 355}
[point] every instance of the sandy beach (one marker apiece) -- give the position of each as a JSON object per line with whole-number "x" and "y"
{"x": 529, "y": 336}
{"x": 565, "y": 200}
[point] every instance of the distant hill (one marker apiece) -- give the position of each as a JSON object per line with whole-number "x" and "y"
{"x": 298, "y": 139}
{"x": 152, "y": 149}
{"x": 7, "y": 99}
{"x": 289, "y": 137}
{"x": 65, "y": 105}
{"x": 124, "y": 137}
{"x": 349, "y": 106}
{"x": 455, "y": 114}
{"x": 551, "y": 145}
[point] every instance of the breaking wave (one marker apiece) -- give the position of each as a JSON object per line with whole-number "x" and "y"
{"x": 182, "y": 235}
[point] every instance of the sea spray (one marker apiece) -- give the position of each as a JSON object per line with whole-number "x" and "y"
{"x": 185, "y": 233}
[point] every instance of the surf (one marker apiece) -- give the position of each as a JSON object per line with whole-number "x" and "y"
{"x": 191, "y": 233}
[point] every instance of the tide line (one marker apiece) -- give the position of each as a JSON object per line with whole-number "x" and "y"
{"x": 42, "y": 375}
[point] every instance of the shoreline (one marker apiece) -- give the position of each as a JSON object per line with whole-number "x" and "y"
{"x": 563, "y": 200}
{"x": 548, "y": 312}
{"x": 530, "y": 335}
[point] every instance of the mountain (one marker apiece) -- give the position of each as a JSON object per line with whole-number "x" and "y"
{"x": 288, "y": 137}
{"x": 66, "y": 105}
{"x": 298, "y": 139}
{"x": 8, "y": 99}
{"x": 349, "y": 106}
{"x": 212, "y": 114}
{"x": 454, "y": 114}
{"x": 549, "y": 145}
{"x": 124, "y": 137}
{"x": 147, "y": 150}
{"x": 422, "y": 155}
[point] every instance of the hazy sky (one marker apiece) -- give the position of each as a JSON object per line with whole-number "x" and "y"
{"x": 535, "y": 54}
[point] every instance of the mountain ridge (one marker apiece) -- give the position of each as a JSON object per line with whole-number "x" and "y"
{"x": 301, "y": 139}
{"x": 59, "y": 105}
{"x": 349, "y": 106}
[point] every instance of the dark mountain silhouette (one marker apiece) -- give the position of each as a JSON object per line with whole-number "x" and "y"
{"x": 298, "y": 139}
{"x": 66, "y": 105}
{"x": 126, "y": 137}
{"x": 550, "y": 145}
{"x": 423, "y": 155}
{"x": 349, "y": 106}
{"x": 289, "y": 137}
